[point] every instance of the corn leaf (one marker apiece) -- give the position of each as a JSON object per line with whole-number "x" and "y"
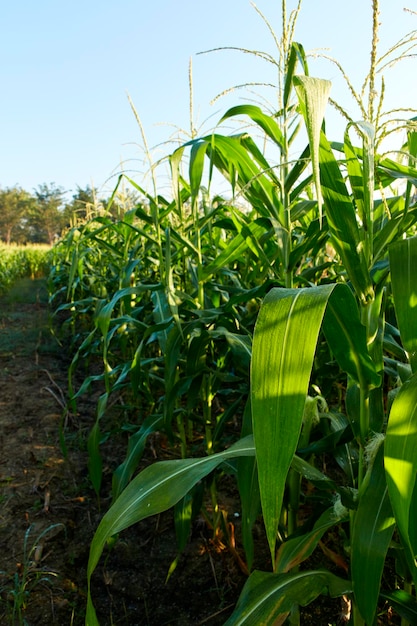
{"x": 268, "y": 598}
{"x": 266, "y": 122}
{"x": 350, "y": 350}
{"x": 283, "y": 350}
{"x": 401, "y": 460}
{"x": 232, "y": 159}
{"x": 403, "y": 603}
{"x": 361, "y": 178}
{"x": 196, "y": 167}
{"x": 342, "y": 222}
{"x": 294, "y": 551}
{"x": 157, "y": 488}
{"x": 296, "y": 54}
{"x": 313, "y": 95}
{"x": 372, "y": 532}
{"x": 403, "y": 263}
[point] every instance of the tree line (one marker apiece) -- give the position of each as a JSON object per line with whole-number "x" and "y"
{"x": 43, "y": 215}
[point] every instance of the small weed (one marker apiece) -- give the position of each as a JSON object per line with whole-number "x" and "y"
{"x": 16, "y": 589}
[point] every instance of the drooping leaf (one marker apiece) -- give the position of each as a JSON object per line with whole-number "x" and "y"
{"x": 342, "y": 316}
{"x": 268, "y": 598}
{"x": 403, "y": 603}
{"x": 361, "y": 177}
{"x": 156, "y": 489}
{"x": 266, "y": 122}
{"x": 234, "y": 250}
{"x": 294, "y": 551}
{"x": 196, "y": 167}
{"x": 313, "y": 95}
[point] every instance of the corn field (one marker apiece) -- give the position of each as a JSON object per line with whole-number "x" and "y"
{"x": 22, "y": 261}
{"x": 270, "y": 334}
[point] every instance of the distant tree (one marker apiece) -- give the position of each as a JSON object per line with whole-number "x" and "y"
{"x": 15, "y": 205}
{"x": 46, "y": 219}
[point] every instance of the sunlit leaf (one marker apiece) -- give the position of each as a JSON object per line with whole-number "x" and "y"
{"x": 343, "y": 225}
{"x": 403, "y": 263}
{"x": 401, "y": 458}
{"x": 280, "y": 375}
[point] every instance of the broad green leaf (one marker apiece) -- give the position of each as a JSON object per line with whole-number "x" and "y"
{"x": 280, "y": 375}
{"x": 294, "y": 551}
{"x": 401, "y": 459}
{"x": 403, "y": 264}
{"x": 313, "y": 95}
{"x": 156, "y": 489}
{"x": 343, "y": 224}
{"x": 267, "y": 598}
{"x": 372, "y": 532}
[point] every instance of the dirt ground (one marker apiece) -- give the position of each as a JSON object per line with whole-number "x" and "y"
{"x": 49, "y": 512}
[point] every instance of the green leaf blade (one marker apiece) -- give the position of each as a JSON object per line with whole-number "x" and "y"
{"x": 372, "y": 532}
{"x": 401, "y": 459}
{"x": 280, "y": 374}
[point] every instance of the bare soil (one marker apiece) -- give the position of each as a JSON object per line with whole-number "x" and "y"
{"x": 49, "y": 511}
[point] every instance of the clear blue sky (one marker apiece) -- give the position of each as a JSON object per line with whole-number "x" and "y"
{"x": 66, "y": 69}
